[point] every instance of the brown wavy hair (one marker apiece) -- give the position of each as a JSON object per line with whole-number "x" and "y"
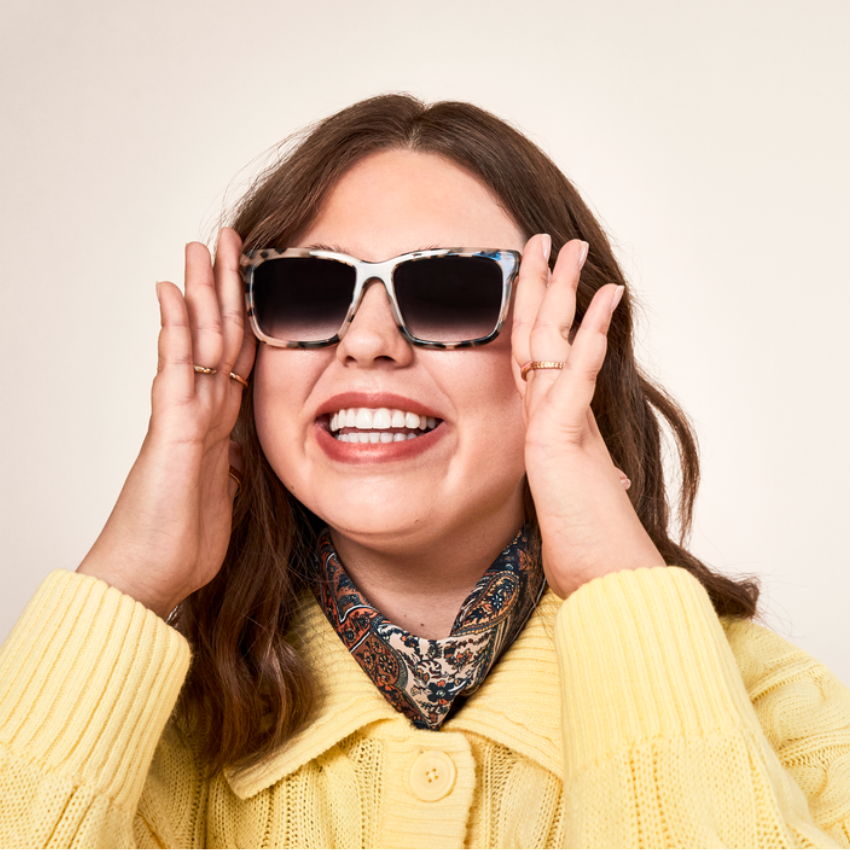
{"x": 248, "y": 690}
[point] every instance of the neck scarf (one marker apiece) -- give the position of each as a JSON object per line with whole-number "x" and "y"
{"x": 421, "y": 678}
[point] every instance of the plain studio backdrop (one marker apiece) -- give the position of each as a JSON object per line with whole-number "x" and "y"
{"x": 711, "y": 138}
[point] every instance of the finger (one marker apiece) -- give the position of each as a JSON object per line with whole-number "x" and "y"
{"x": 247, "y": 353}
{"x": 202, "y": 305}
{"x": 531, "y": 287}
{"x": 551, "y": 329}
{"x": 573, "y": 391}
{"x": 230, "y": 291}
{"x": 175, "y": 375}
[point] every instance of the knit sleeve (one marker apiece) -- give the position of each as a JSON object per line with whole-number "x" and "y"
{"x": 88, "y": 680}
{"x": 663, "y": 746}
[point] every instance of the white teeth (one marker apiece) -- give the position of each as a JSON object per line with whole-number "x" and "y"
{"x": 382, "y": 418}
{"x": 366, "y": 419}
{"x": 373, "y": 425}
{"x": 376, "y": 437}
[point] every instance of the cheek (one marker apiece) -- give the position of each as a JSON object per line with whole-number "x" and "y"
{"x": 499, "y": 420}
{"x": 281, "y": 387}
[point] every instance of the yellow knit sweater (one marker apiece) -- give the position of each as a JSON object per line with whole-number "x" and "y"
{"x": 627, "y": 716}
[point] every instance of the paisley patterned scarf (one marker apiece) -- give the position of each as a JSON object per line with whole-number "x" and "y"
{"x": 424, "y": 678}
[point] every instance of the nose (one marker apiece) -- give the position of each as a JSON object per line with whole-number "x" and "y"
{"x": 372, "y": 337}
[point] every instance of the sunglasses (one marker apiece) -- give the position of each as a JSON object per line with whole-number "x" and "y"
{"x": 442, "y": 298}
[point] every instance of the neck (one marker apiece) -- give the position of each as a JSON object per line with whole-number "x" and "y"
{"x": 421, "y": 588}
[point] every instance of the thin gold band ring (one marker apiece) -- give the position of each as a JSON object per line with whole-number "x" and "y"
{"x": 206, "y": 370}
{"x": 233, "y": 472}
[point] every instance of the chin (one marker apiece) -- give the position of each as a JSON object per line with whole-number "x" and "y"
{"x": 372, "y": 519}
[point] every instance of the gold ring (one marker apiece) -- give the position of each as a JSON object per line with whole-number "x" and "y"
{"x": 233, "y": 472}
{"x": 240, "y": 379}
{"x": 541, "y": 364}
{"x": 204, "y": 370}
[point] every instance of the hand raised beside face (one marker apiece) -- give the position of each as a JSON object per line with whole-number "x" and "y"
{"x": 169, "y": 531}
{"x": 588, "y": 525}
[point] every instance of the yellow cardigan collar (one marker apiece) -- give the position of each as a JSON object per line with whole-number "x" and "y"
{"x": 517, "y": 706}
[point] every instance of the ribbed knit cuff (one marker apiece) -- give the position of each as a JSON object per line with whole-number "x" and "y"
{"x": 642, "y": 655}
{"x": 89, "y": 678}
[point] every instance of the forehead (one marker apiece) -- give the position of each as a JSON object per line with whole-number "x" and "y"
{"x": 399, "y": 201}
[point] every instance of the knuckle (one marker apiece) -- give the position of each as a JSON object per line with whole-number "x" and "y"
{"x": 233, "y": 316}
{"x": 183, "y": 358}
{"x": 584, "y": 373}
{"x": 553, "y": 321}
{"x": 210, "y": 326}
{"x": 176, "y": 322}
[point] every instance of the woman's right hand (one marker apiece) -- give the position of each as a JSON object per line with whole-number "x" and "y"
{"x": 168, "y": 533}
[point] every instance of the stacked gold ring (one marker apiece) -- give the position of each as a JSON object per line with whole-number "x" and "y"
{"x": 541, "y": 364}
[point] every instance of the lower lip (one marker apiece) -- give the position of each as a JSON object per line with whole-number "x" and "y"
{"x": 376, "y": 452}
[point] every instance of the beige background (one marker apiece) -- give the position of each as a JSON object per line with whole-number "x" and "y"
{"x": 711, "y": 137}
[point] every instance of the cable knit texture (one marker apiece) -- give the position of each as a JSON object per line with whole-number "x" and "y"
{"x": 627, "y": 716}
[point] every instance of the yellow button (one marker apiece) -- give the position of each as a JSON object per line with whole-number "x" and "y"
{"x": 432, "y": 776}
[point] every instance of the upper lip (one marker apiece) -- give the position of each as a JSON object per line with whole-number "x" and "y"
{"x": 373, "y": 401}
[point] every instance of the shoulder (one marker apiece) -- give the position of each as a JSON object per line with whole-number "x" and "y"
{"x": 804, "y": 712}
{"x": 786, "y": 686}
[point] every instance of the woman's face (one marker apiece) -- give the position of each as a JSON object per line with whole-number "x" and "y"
{"x": 465, "y": 475}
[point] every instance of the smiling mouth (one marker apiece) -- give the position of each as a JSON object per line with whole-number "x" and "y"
{"x": 378, "y": 425}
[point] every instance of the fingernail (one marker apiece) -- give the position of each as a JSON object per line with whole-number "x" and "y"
{"x": 618, "y": 295}
{"x": 626, "y": 483}
{"x": 158, "y": 284}
{"x": 546, "y": 245}
{"x": 582, "y": 256}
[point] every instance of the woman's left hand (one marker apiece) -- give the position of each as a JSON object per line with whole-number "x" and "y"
{"x": 587, "y": 523}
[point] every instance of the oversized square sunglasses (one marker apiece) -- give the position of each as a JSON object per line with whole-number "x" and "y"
{"x": 441, "y": 298}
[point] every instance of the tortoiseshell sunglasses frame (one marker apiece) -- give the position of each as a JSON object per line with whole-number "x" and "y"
{"x": 508, "y": 262}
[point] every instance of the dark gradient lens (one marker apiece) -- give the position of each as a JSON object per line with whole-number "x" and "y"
{"x": 449, "y": 299}
{"x": 302, "y": 299}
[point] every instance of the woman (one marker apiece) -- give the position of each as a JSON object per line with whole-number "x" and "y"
{"x": 377, "y": 660}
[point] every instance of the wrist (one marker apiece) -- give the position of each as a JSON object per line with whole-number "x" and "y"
{"x": 568, "y": 568}
{"x": 155, "y": 601}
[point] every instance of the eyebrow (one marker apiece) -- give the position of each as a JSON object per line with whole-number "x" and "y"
{"x": 319, "y": 246}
